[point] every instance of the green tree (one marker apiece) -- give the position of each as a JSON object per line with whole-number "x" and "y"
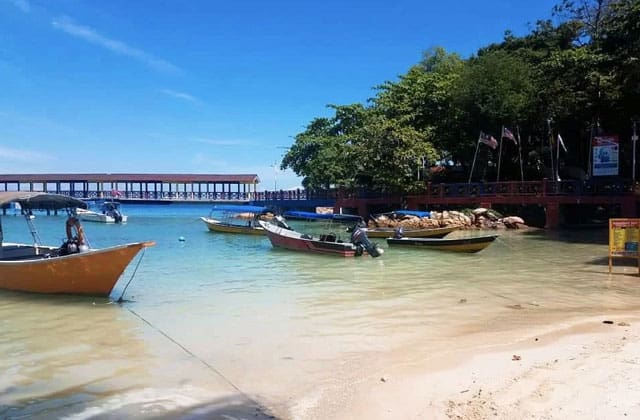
{"x": 422, "y": 99}
{"x": 582, "y": 70}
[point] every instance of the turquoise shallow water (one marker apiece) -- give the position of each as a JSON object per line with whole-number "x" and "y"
{"x": 275, "y": 324}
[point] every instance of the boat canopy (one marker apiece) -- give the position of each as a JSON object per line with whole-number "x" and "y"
{"x": 231, "y": 208}
{"x": 413, "y": 213}
{"x": 296, "y": 214}
{"x": 40, "y": 200}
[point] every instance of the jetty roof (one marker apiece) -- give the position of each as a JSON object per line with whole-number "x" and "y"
{"x": 130, "y": 177}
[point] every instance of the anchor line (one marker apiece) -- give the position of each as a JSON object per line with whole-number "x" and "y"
{"x": 498, "y": 239}
{"x": 190, "y": 353}
{"x": 135, "y": 270}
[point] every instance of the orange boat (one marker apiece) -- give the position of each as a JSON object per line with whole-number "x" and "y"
{"x": 72, "y": 268}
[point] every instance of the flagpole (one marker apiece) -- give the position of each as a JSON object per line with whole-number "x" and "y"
{"x": 558, "y": 157}
{"x": 634, "y": 139}
{"x": 553, "y": 166}
{"x": 500, "y": 153}
{"x": 474, "y": 158}
{"x": 589, "y": 153}
{"x": 520, "y": 153}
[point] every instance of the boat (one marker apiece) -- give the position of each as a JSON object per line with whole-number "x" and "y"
{"x": 18, "y": 210}
{"x": 386, "y": 232}
{"x": 382, "y": 232}
{"x": 469, "y": 244}
{"x": 311, "y": 216}
{"x": 237, "y": 219}
{"x": 281, "y": 235}
{"x": 109, "y": 212}
{"x": 72, "y": 268}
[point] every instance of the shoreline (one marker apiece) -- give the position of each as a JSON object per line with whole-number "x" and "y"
{"x": 583, "y": 369}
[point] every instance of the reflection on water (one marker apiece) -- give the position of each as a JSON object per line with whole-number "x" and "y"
{"x": 230, "y": 313}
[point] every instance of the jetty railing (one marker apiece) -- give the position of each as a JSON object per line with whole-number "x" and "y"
{"x": 543, "y": 188}
{"x": 530, "y": 188}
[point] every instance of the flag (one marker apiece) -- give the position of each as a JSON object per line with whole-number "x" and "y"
{"x": 562, "y": 143}
{"x": 508, "y": 134}
{"x": 488, "y": 140}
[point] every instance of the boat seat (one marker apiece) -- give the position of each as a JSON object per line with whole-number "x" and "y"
{"x": 330, "y": 237}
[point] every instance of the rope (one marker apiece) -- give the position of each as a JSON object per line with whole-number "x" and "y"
{"x": 511, "y": 248}
{"x": 186, "y": 350}
{"x": 132, "y": 274}
{"x": 190, "y": 353}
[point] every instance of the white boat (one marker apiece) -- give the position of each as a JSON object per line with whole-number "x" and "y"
{"x": 109, "y": 212}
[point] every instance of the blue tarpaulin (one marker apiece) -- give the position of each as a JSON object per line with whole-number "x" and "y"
{"x": 239, "y": 208}
{"x": 307, "y": 215}
{"x": 411, "y": 213}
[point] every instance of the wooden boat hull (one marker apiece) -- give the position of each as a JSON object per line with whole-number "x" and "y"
{"x": 217, "y": 226}
{"x": 411, "y": 233}
{"x": 94, "y": 272}
{"x": 295, "y": 241}
{"x": 469, "y": 245}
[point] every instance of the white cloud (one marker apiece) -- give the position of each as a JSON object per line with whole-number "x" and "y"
{"x": 181, "y": 95}
{"x": 19, "y": 155}
{"x": 22, "y": 5}
{"x": 87, "y": 34}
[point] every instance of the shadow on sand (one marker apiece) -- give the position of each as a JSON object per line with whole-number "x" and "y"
{"x": 226, "y": 408}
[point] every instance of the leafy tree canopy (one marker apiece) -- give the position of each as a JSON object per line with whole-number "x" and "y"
{"x": 570, "y": 74}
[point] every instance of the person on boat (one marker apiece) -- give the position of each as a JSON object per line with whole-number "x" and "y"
{"x": 77, "y": 242}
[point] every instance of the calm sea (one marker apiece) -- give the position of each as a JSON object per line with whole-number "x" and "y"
{"x": 221, "y": 322}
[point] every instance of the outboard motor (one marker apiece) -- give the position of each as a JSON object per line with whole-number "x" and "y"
{"x": 398, "y": 232}
{"x": 281, "y": 222}
{"x": 360, "y": 239}
{"x": 117, "y": 216}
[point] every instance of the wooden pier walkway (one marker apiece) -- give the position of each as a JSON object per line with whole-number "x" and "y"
{"x": 618, "y": 195}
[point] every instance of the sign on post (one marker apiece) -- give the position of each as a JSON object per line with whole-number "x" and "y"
{"x": 605, "y": 155}
{"x": 624, "y": 235}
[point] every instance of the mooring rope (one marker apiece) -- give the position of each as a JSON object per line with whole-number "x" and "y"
{"x": 174, "y": 341}
{"x": 190, "y": 353}
{"x": 499, "y": 295}
{"x": 132, "y": 275}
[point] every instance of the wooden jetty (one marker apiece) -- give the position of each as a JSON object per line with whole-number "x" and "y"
{"x": 138, "y": 187}
{"x": 554, "y": 197}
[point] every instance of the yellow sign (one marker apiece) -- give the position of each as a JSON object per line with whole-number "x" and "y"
{"x": 624, "y": 235}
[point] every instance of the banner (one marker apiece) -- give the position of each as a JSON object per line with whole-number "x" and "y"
{"x": 605, "y": 155}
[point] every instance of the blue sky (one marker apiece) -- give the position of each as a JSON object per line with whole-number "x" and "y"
{"x": 209, "y": 86}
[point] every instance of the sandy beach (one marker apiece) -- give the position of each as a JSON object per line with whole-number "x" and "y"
{"x": 588, "y": 370}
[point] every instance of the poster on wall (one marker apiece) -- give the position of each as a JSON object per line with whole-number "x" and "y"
{"x": 605, "y": 155}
